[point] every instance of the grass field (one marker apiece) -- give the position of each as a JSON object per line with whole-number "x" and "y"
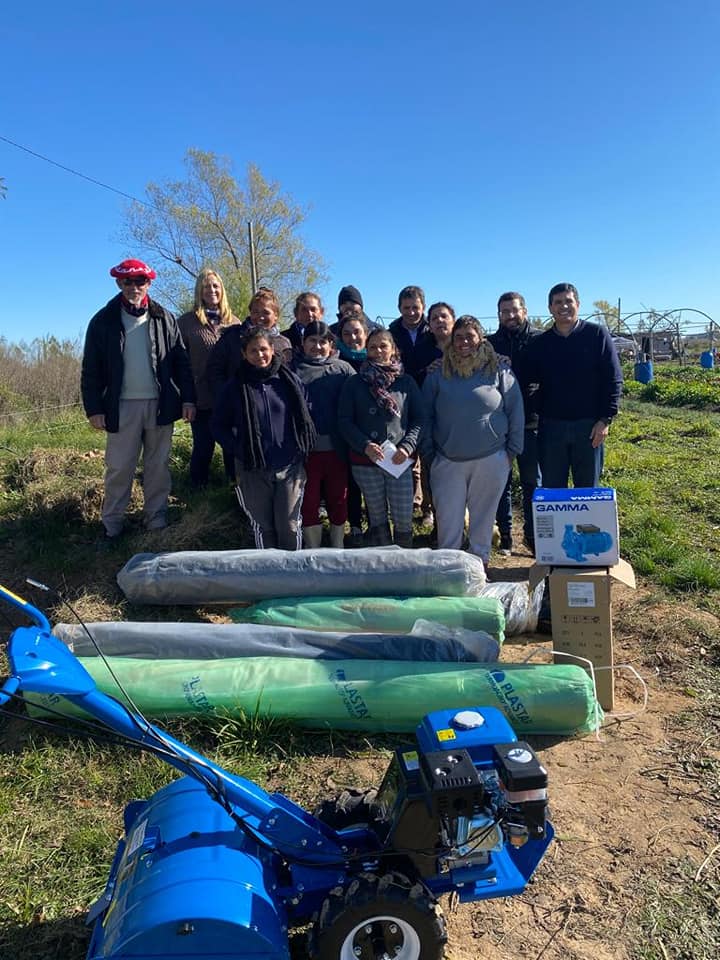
{"x": 61, "y": 799}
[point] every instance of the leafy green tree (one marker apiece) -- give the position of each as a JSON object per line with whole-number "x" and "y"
{"x": 201, "y": 221}
{"x": 610, "y": 313}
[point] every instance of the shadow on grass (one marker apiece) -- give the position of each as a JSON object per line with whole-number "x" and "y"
{"x": 67, "y": 938}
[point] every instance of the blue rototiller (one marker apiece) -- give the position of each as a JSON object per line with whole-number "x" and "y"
{"x": 212, "y": 866}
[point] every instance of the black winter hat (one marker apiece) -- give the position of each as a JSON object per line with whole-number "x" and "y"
{"x": 350, "y": 294}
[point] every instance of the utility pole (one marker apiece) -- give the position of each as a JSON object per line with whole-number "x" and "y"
{"x": 253, "y": 264}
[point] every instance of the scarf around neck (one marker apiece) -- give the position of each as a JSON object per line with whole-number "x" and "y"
{"x": 347, "y": 353}
{"x": 253, "y": 374}
{"x": 132, "y": 309}
{"x": 379, "y": 379}
{"x": 454, "y": 365}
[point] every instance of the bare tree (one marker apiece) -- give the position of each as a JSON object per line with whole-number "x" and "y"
{"x": 201, "y": 221}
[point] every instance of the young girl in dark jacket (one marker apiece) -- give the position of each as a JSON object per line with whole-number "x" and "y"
{"x": 263, "y": 417}
{"x": 326, "y": 466}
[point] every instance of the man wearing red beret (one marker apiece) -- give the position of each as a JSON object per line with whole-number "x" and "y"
{"x": 136, "y": 381}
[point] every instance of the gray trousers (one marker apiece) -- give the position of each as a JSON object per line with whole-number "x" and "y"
{"x": 381, "y": 490}
{"x": 473, "y": 484}
{"x": 271, "y": 500}
{"x": 138, "y": 430}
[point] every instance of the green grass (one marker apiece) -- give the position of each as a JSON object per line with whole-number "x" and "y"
{"x": 51, "y": 495}
{"x": 664, "y": 466}
{"x": 676, "y": 386}
{"x": 680, "y": 914}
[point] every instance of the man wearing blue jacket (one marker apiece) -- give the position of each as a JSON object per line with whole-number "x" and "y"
{"x": 511, "y": 340}
{"x": 578, "y": 373}
{"x": 410, "y": 331}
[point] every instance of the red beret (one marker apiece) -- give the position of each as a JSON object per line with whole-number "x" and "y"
{"x": 133, "y": 268}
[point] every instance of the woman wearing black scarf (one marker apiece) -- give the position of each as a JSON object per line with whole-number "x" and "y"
{"x": 383, "y": 404}
{"x": 262, "y": 416}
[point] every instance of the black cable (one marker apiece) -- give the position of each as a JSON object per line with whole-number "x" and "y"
{"x": 77, "y": 173}
{"x": 93, "y": 729}
{"x": 216, "y": 788}
{"x": 93, "y": 641}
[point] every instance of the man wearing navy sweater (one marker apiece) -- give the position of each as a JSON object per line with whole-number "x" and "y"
{"x": 577, "y": 369}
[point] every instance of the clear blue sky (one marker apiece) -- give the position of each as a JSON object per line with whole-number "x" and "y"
{"x": 469, "y": 147}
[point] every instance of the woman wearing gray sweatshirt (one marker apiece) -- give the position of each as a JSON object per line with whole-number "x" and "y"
{"x": 475, "y": 429}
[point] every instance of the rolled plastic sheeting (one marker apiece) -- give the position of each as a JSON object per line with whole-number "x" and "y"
{"x": 377, "y": 614}
{"x": 208, "y": 641}
{"x": 520, "y": 604}
{"x": 367, "y": 695}
{"x": 228, "y": 576}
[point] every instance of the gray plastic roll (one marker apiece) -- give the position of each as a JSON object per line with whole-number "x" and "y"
{"x": 230, "y": 576}
{"x": 212, "y": 641}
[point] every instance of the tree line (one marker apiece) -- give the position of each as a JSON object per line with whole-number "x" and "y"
{"x": 42, "y": 375}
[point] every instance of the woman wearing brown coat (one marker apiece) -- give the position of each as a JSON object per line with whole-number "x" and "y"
{"x": 201, "y": 329}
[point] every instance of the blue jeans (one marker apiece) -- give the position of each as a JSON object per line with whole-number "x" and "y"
{"x": 527, "y": 462}
{"x": 564, "y": 447}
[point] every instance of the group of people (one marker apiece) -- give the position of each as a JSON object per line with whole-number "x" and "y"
{"x": 427, "y": 416}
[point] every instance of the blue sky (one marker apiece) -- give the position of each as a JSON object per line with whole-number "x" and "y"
{"x": 469, "y": 147}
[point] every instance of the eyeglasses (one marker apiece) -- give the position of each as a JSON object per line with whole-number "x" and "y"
{"x": 134, "y": 281}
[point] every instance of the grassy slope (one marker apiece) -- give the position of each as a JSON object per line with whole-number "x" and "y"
{"x": 60, "y": 802}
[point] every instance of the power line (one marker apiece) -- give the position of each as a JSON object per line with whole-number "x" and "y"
{"x": 76, "y": 173}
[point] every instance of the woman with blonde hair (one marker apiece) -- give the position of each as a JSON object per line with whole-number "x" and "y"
{"x": 201, "y": 328}
{"x": 475, "y": 429}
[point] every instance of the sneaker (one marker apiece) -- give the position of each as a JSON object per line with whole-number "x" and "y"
{"x": 505, "y": 544}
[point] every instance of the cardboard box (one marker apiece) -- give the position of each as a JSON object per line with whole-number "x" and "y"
{"x": 576, "y": 526}
{"x": 581, "y": 612}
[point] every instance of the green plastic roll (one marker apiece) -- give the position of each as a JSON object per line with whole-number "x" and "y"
{"x": 368, "y": 695}
{"x": 377, "y": 614}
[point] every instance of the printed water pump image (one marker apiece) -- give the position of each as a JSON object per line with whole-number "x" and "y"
{"x": 585, "y": 538}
